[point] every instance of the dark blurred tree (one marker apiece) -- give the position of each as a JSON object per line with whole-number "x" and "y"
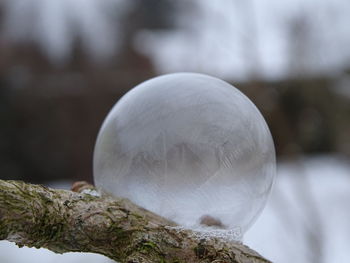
{"x": 51, "y": 113}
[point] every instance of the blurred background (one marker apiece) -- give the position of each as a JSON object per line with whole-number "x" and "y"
{"x": 64, "y": 64}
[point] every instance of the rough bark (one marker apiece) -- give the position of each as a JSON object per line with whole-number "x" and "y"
{"x": 84, "y": 221}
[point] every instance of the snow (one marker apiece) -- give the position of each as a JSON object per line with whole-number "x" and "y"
{"x": 308, "y": 214}
{"x": 10, "y": 253}
{"x": 308, "y": 210}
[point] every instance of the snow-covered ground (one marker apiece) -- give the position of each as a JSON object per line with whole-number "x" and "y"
{"x": 307, "y": 218}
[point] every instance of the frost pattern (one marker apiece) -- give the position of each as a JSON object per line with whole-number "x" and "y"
{"x": 234, "y": 234}
{"x": 188, "y": 146}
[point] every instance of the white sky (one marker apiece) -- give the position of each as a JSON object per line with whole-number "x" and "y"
{"x": 54, "y": 24}
{"x": 234, "y": 39}
{"x": 226, "y": 38}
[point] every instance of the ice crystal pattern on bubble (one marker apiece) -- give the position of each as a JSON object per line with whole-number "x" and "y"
{"x": 191, "y": 148}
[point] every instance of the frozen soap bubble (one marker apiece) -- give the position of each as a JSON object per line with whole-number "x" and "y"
{"x": 191, "y": 148}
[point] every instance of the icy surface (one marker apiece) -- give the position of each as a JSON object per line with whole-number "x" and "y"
{"x": 188, "y": 146}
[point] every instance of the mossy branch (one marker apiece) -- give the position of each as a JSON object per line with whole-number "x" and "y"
{"x": 66, "y": 221}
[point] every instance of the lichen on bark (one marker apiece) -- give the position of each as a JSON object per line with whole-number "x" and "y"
{"x": 83, "y": 221}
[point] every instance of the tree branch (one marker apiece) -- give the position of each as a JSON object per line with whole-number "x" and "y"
{"x": 66, "y": 221}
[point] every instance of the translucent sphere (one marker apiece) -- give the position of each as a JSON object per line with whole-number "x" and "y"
{"x": 191, "y": 148}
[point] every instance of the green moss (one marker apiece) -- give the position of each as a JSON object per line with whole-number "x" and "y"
{"x": 151, "y": 248}
{"x": 200, "y": 251}
{"x": 137, "y": 215}
{"x": 150, "y": 245}
{"x": 147, "y": 247}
